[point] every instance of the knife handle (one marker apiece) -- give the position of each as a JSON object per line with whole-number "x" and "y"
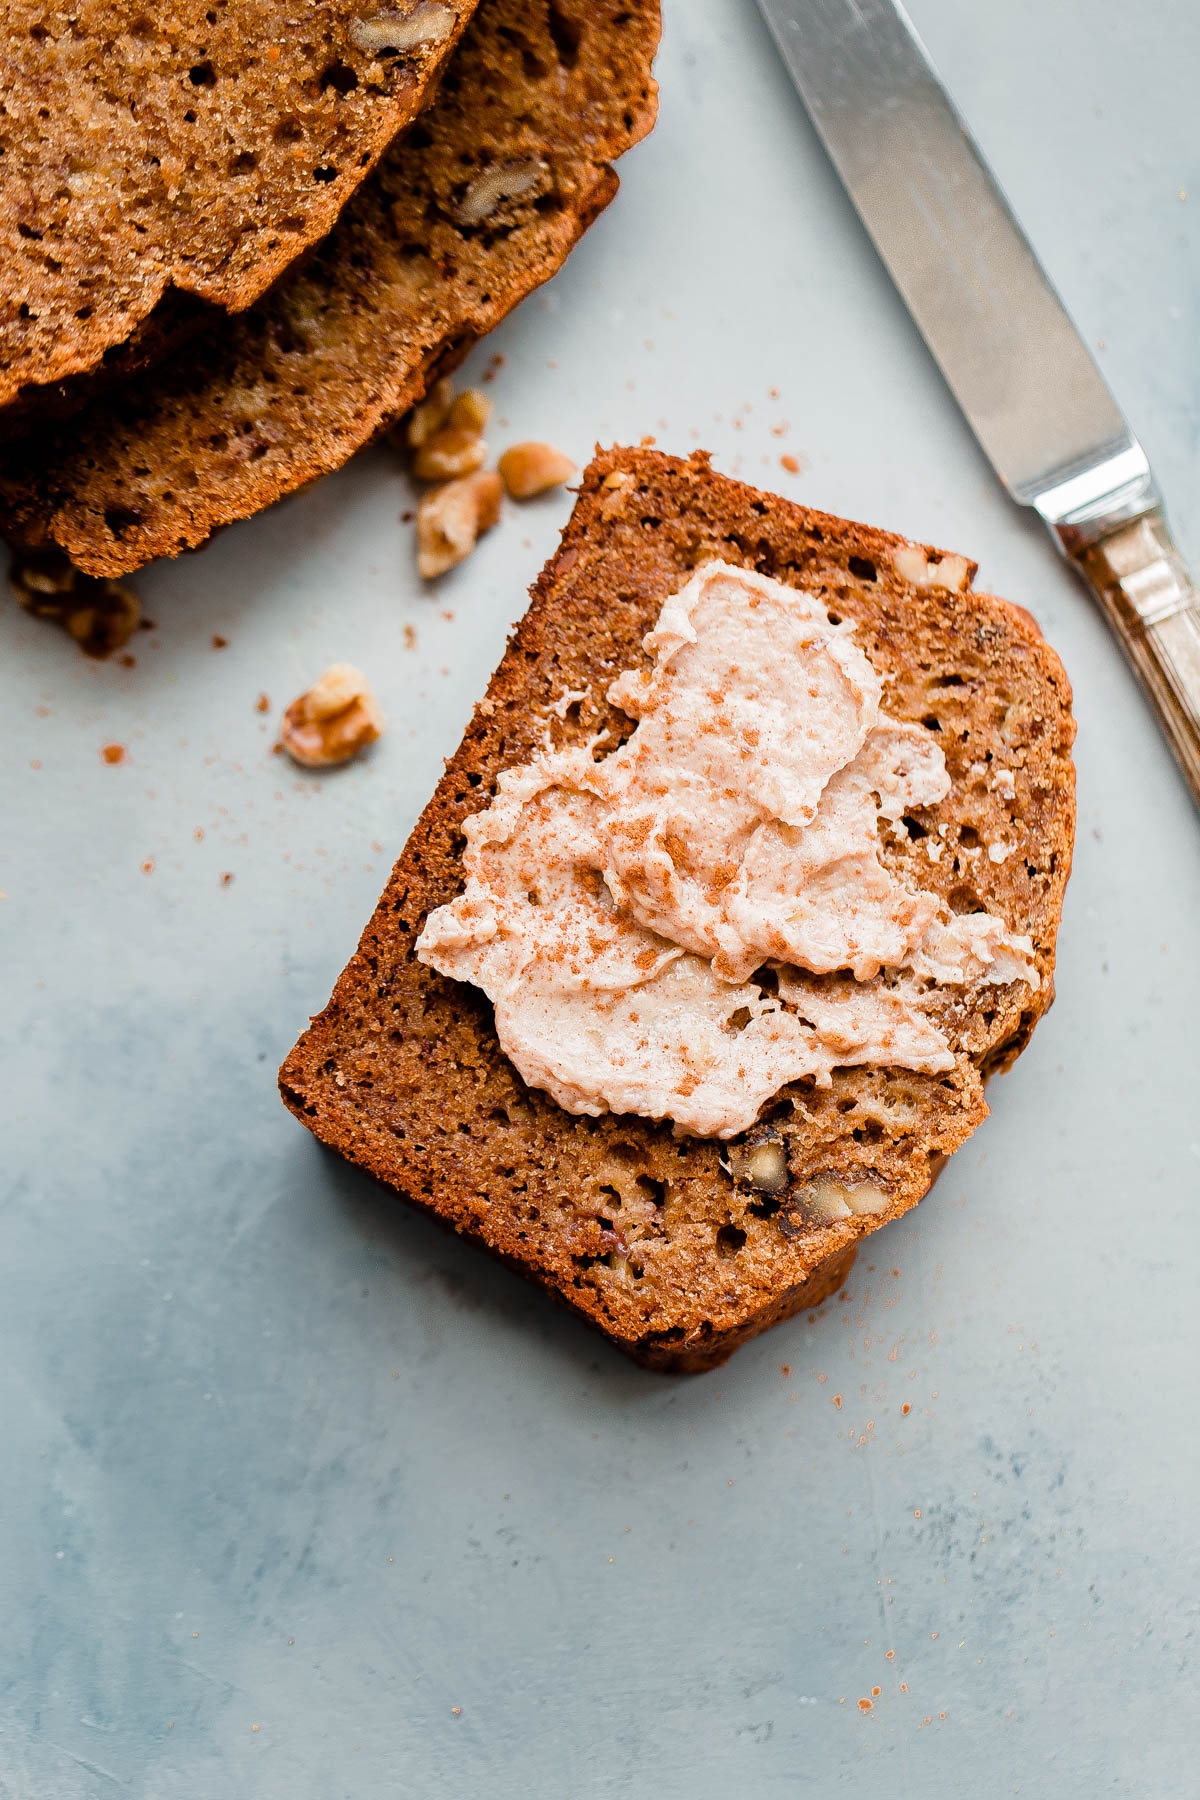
{"x": 1153, "y": 606}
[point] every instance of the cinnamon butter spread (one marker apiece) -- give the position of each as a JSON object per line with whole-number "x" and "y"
{"x": 682, "y": 927}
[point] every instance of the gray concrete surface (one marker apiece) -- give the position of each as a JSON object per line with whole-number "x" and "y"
{"x": 301, "y": 1498}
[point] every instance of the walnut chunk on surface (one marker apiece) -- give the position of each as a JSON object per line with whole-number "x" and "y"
{"x": 450, "y": 519}
{"x": 336, "y": 718}
{"x": 100, "y": 614}
{"x": 530, "y": 469}
{"x": 455, "y": 450}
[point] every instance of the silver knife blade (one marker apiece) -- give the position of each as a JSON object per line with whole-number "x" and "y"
{"x": 1015, "y": 363}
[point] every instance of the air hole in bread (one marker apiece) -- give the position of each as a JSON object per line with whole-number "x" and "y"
{"x": 730, "y": 1239}
{"x": 652, "y": 1190}
{"x": 121, "y": 519}
{"x": 202, "y": 75}
{"x": 567, "y": 35}
{"x": 340, "y": 77}
{"x": 534, "y": 68}
{"x": 866, "y": 571}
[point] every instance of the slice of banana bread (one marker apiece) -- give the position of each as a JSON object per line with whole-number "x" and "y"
{"x": 680, "y": 1248}
{"x": 192, "y": 152}
{"x": 473, "y": 210}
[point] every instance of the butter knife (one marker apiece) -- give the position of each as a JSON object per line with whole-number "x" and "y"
{"x": 999, "y": 333}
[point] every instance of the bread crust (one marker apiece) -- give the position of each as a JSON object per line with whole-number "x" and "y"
{"x": 396, "y": 294}
{"x": 647, "y": 1236}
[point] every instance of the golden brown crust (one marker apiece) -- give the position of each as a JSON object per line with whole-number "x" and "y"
{"x": 644, "y": 1234}
{"x": 401, "y": 288}
{"x": 190, "y": 154}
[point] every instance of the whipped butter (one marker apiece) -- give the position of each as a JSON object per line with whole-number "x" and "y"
{"x": 617, "y": 909}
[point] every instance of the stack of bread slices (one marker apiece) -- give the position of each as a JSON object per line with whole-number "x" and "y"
{"x": 236, "y": 245}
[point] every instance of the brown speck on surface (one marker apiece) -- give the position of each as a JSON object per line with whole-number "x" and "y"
{"x": 837, "y": 1401}
{"x": 114, "y": 753}
{"x": 227, "y": 878}
{"x": 906, "y": 1408}
{"x": 876, "y": 1691}
{"x": 198, "y": 833}
{"x": 410, "y": 637}
{"x": 891, "y": 1655}
{"x": 865, "y": 1705}
{"x": 448, "y": 615}
{"x": 254, "y": 1728}
{"x": 785, "y": 1368}
{"x": 456, "y": 1712}
{"x": 148, "y": 866}
{"x": 263, "y": 703}
{"x": 127, "y": 661}
{"x": 916, "y": 1515}
{"x": 790, "y": 463}
{"x": 904, "y": 1687}
{"x": 221, "y": 643}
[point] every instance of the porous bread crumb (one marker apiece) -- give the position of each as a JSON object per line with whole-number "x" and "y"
{"x": 333, "y": 720}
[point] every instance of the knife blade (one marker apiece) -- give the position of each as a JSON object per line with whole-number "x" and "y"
{"x": 1002, "y": 338}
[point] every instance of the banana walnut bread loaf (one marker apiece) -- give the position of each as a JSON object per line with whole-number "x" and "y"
{"x": 481, "y": 202}
{"x": 182, "y": 157}
{"x": 745, "y": 877}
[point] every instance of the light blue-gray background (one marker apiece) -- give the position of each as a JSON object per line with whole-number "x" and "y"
{"x": 286, "y": 1475}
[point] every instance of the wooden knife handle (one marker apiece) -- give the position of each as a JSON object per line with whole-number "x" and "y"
{"x": 1153, "y": 606}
